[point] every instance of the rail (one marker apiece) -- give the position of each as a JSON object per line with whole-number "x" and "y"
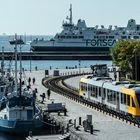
{"x": 69, "y": 92}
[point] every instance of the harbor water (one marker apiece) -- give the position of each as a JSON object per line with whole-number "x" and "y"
{"x": 40, "y": 65}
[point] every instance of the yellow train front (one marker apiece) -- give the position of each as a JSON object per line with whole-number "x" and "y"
{"x": 122, "y": 96}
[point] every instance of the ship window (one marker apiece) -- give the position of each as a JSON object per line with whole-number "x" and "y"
{"x": 136, "y": 37}
{"x": 2, "y": 89}
{"x": 124, "y": 37}
{"x": 129, "y": 37}
{"x": 80, "y": 37}
{"x": 95, "y": 37}
{"x": 62, "y": 36}
{"x": 80, "y": 32}
{"x": 74, "y": 36}
{"x": 111, "y": 37}
{"x": 138, "y": 28}
{"x": 68, "y": 36}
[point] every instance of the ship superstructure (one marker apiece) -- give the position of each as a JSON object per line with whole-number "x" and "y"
{"x": 79, "y": 37}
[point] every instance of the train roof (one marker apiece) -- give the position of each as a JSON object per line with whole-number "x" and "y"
{"x": 108, "y": 83}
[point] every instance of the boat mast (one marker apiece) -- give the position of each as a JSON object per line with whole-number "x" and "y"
{"x": 70, "y": 14}
{"x": 20, "y": 70}
{"x": 2, "y": 64}
{"x": 16, "y": 82}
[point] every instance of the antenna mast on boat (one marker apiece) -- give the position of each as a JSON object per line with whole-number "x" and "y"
{"x": 70, "y": 14}
{"x": 2, "y": 64}
{"x": 16, "y": 82}
{"x": 20, "y": 70}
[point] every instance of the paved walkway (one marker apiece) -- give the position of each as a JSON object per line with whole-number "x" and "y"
{"x": 105, "y": 127}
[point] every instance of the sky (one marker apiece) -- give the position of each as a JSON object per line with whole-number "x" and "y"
{"x": 44, "y": 17}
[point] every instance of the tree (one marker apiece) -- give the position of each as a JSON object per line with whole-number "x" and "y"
{"x": 123, "y": 54}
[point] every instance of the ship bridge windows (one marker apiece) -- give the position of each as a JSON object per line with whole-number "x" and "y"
{"x": 69, "y": 37}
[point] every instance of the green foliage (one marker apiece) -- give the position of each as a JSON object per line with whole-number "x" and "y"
{"x": 123, "y": 54}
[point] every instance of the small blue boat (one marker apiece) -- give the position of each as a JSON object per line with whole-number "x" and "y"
{"x": 19, "y": 114}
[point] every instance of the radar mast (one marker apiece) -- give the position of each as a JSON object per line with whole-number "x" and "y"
{"x": 70, "y": 14}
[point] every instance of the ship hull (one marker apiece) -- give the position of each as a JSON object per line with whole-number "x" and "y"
{"x": 70, "y": 49}
{"x": 19, "y": 126}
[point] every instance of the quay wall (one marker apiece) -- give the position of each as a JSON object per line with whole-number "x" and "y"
{"x": 58, "y": 55}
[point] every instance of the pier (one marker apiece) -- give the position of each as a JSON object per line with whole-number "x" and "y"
{"x": 63, "y": 55}
{"x": 105, "y": 126}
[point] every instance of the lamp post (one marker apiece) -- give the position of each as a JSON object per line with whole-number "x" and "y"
{"x": 136, "y": 66}
{"x": 79, "y": 67}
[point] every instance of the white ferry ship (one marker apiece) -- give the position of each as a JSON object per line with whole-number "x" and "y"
{"x": 79, "y": 37}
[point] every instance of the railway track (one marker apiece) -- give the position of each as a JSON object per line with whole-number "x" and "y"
{"x": 58, "y": 85}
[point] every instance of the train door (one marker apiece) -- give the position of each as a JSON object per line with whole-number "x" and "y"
{"x": 117, "y": 101}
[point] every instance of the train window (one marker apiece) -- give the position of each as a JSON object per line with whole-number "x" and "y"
{"x": 124, "y": 100}
{"x": 94, "y": 89}
{"x": 138, "y": 98}
{"x": 96, "y": 92}
{"x": 104, "y": 91}
{"x": 121, "y": 98}
{"x": 111, "y": 97}
{"x": 85, "y": 87}
{"x": 82, "y": 86}
{"x": 128, "y": 100}
{"x": 99, "y": 91}
{"x": 133, "y": 104}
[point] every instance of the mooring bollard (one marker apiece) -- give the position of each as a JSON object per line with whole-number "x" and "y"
{"x": 30, "y": 133}
{"x": 67, "y": 127}
{"x": 91, "y": 129}
{"x": 80, "y": 120}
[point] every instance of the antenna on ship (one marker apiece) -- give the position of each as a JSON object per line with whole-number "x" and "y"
{"x": 16, "y": 81}
{"x": 2, "y": 64}
{"x": 70, "y": 14}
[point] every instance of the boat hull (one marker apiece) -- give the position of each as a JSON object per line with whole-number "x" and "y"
{"x": 70, "y": 49}
{"x": 19, "y": 126}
